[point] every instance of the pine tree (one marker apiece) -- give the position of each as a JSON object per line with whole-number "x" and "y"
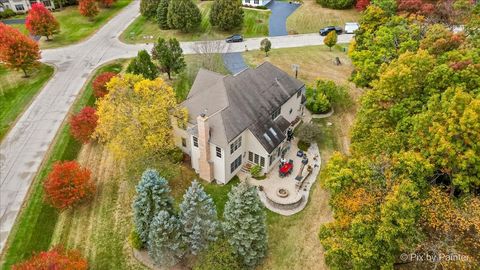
{"x": 184, "y": 15}
{"x": 165, "y": 245}
{"x": 148, "y": 8}
{"x": 244, "y": 224}
{"x": 153, "y": 196}
{"x": 162, "y": 14}
{"x": 143, "y": 65}
{"x": 198, "y": 217}
{"x": 226, "y": 14}
{"x": 170, "y": 56}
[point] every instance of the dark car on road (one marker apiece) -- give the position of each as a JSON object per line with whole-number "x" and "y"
{"x": 328, "y": 29}
{"x": 234, "y": 38}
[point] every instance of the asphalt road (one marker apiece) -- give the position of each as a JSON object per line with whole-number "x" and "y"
{"x": 25, "y": 147}
{"x": 277, "y": 25}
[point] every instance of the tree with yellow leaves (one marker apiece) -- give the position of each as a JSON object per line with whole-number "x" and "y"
{"x": 134, "y": 118}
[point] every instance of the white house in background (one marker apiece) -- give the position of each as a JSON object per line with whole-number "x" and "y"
{"x": 256, "y": 3}
{"x": 238, "y": 119}
{"x": 22, "y": 6}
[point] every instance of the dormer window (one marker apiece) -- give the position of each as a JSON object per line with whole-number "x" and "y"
{"x": 276, "y": 113}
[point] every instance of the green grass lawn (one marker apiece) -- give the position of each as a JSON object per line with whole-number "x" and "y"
{"x": 17, "y": 92}
{"x": 311, "y": 17}
{"x": 143, "y": 30}
{"x": 36, "y": 222}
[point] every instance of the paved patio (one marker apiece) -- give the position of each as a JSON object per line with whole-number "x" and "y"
{"x": 297, "y": 194}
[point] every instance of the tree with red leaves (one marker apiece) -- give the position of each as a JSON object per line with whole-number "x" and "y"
{"x": 83, "y": 124}
{"x": 40, "y": 21}
{"x": 100, "y": 84}
{"x": 68, "y": 184}
{"x": 17, "y": 51}
{"x": 106, "y": 3}
{"x": 57, "y": 258}
{"x": 361, "y": 5}
{"x": 88, "y": 8}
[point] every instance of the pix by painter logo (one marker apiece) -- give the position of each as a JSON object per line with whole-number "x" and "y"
{"x": 432, "y": 257}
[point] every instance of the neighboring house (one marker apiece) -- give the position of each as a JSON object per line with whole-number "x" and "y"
{"x": 22, "y": 6}
{"x": 256, "y": 3}
{"x": 237, "y": 119}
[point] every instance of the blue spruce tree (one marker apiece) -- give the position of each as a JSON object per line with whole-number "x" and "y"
{"x": 153, "y": 196}
{"x": 244, "y": 224}
{"x": 165, "y": 244}
{"x": 198, "y": 217}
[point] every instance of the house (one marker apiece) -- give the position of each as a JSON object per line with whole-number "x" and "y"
{"x": 22, "y": 6}
{"x": 256, "y": 3}
{"x": 238, "y": 119}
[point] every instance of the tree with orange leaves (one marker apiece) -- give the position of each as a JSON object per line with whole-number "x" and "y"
{"x": 68, "y": 184}
{"x": 83, "y": 124}
{"x": 88, "y": 8}
{"x": 40, "y": 21}
{"x": 100, "y": 84}
{"x": 57, "y": 258}
{"x": 17, "y": 51}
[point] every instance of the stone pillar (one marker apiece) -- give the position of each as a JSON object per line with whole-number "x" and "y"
{"x": 204, "y": 163}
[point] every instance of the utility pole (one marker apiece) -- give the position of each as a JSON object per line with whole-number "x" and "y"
{"x": 296, "y": 68}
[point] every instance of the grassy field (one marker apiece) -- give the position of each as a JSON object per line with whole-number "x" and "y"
{"x": 144, "y": 31}
{"x": 311, "y": 17}
{"x": 17, "y": 92}
{"x": 35, "y": 224}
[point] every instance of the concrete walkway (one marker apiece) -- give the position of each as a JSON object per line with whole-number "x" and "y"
{"x": 277, "y": 25}
{"x": 25, "y": 147}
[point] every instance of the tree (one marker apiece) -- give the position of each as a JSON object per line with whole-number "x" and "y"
{"x": 68, "y": 184}
{"x": 18, "y": 51}
{"x": 106, "y": 3}
{"x": 218, "y": 255}
{"x": 153, "y": 196}
{"x": 143, "y": 65}
{"x": 170, "y": 56}
{"x": 265, "y": 46}
{"x": 198, "y": 217}
{"x": 331, "y": 39}
{"x": 336, "y": 4}
{"x": 55, "y": 258}
{"x": 244, "y": 224}
{"x": 40, "y": 22}
{"x": 226, "y": 14}
{"x": 162, "y": 14}
{"x": 100, "y": 84}
{"x": 83, "y": 124}
{"x": 184, "y": 15}
{"x": 148, "y": 8}
{"x": 388, "y": 6}
{"x": 361, "y": 5}
{"x": 88, "y": 8}
{"x": 134, "y": 118}
{"x": 324, "y": 95}
{"x": 165, "y": 239}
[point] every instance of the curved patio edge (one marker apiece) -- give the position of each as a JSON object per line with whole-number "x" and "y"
{"x": 323, "y": 115}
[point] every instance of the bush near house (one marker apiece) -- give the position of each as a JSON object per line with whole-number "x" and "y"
{"x": 325, "y": 94}
{"x": 336, "y": 4}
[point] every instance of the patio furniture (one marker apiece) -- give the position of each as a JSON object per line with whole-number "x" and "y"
{"x": 286, "y": 169}
{"x": 300, "y": 153}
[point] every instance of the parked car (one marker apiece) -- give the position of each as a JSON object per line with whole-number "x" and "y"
{"x": 328, "y": 29}
{"x": 351, "y": 27}
{"x": 234, "y": 38}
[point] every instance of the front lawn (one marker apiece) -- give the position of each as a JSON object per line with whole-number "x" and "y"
{"x": 145, "y": 31}
{"x": 17, "y": 92}
{"x": 311, "y": 17}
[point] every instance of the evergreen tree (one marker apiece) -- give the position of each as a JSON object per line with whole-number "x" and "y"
{"x": 244, "y": 224}
{"x": 198, "y": 217}
{"x": 162, "y": 14}
{"x": 170, "y": 56}
{"x": 153, "y": 196}
{"x": 226, "y": 14}
{"x": 184, "y": 15}
{"x": 148, "y": 8}
{"x": 165, "y": 245}
{"x": 143, "y": 65}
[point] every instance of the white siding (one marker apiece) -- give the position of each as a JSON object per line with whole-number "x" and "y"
{"x": 293, "y": 104}
{"x": 254, "y": 146}
{"x": 218, "y": 164}
{"x": 253, "y": 2}
{"x": 229, "y": 158}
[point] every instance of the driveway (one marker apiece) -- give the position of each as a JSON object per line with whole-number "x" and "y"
{"x": 234, "y": 62}
{"x": 26, "y": 145}
{"x": 13, "y": 21}
{"x": 278, "y": 19}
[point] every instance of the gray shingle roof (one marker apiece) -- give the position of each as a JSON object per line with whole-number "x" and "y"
{"x": 245, "y": 100}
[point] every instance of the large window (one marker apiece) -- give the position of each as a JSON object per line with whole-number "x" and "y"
{"x": 276, "y": 113}
{"x": 235, "y": 164}
{"x": 257, "y": 159}
{"x": 218, "y": 151}
{"x": 195, "y": 141}
{"x": 235, "y": 145}
{"x": 19, "y": 7}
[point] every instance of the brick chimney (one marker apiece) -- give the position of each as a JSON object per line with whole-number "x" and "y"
{"x": 205, "y": 165}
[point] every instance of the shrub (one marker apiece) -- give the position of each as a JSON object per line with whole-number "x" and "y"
{"x": 135, "y": 240}
{"x": 143, "y": 65}
{"x": 325, "y": 94}
{"x": 57, "y": 258}
{"x": 256, "y": 170}
{"x": 83, "y": 124}
{"x": 308, "y": 133}
{"x": 218, "y": 256}
{"x": 175, "y": 155}
{"x": 7, "y": 14}
{"x": 303, "y": 145}
{"x": 336, "y": 4}
{"x": 148, "y": 8}
{"x": 317, "y": 102}
{"x": 100, "y": 84}
{"x": 68, "y": 184}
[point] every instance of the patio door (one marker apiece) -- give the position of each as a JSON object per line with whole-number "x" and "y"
{"x": 257, "y": 159}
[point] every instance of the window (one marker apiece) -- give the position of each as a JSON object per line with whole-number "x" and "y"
{"x": 195, "y": 141}
{"x": 255, "y": 2}
{"x": 250, "y": 156}
{"x": 19, "y": 7}
{"x": 276, "y": 113}
{"x": 235, "y": 145}
{"x": 257, "y": 159}
{"x": 47, "y": 3}
{"x": 262, "y": 161}
{"x": 235, "y": 164}
{"x": 247, "y": 1}
{"x": 218, "y": 150}
{"x": 184, "y": 142}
